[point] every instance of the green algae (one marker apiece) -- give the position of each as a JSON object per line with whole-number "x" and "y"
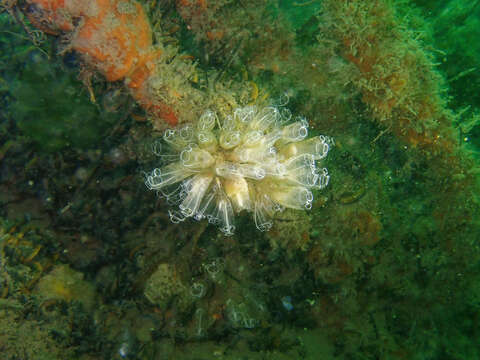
{"x": 47, "y": 100}
{"x": 52, "y": 109}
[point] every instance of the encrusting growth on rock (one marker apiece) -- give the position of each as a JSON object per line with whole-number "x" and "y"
{"x": 113, "y": 37}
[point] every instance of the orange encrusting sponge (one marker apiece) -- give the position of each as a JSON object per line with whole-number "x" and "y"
{"x": 114, "y": 37}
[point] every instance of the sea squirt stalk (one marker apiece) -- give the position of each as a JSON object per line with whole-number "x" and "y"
{"x": 255, "y": 160}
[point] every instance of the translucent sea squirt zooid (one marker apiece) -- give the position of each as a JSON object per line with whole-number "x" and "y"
{"x": 255, "y": 159}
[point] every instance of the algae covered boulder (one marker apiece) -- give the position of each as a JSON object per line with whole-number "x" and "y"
{"x": 53, "y": 109}
{"x": 66, "y": 284}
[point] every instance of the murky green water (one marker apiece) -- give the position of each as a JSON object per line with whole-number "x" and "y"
{"x": 385, "y": 264}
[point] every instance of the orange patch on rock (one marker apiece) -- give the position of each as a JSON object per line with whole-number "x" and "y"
{"x": 114, "y": 37}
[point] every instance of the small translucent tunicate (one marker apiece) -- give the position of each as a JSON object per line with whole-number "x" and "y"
{"x": 249, "y": 323}
{"x": 283, "y": 99}
{"x": 215, "y": 268}
{"x": 126, "y": 345}
{"x": 198, "y": 290}
{"x": 230, "y": 139}
{"x": 186, "y": 133}
{"x": 168, "y": 135}
{"x": 200, "y": 322}
{"x": 176, "y": 216}
{"x": 207, "y": 120}
{"x": 239, "y": 316}
{"x": 245, "y": 114}
{"x": 287, "y": 303}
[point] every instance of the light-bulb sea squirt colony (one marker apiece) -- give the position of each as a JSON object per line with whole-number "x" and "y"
{"x": 255, "y": 160}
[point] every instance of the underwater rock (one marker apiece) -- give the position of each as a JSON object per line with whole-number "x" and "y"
{"x": 291, "y": 231}
{"x": 163, "y": 285}
{"x": 65, "y": 284}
